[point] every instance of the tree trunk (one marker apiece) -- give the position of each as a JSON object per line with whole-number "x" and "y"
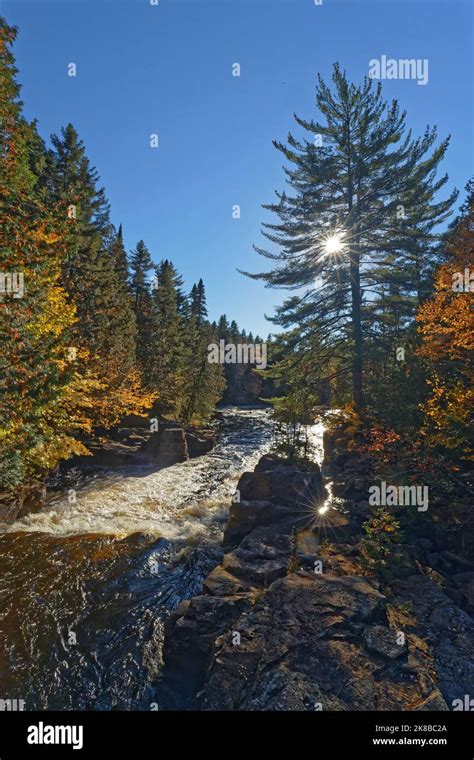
{"x": 357, "y": 394}
{"x": 354, "y": 273}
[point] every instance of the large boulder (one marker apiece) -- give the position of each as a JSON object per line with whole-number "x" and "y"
{"x": 335, "y": 446}
{"x": 244, "y": 516}
{"x": 200, "y": 442}
{"x": 310, "y": 642}
{"x": 109, "y": 454}
{"x": 189, "y": 636}
{"x": 261, "y": 557}
{"x": 314, "y": 643}
{"x": 167, "y": 446}
{"x": 22, "y": 501}
{"x": 281, "y": 484}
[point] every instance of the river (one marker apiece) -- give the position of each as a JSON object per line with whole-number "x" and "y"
{"x": 85, "y": 587}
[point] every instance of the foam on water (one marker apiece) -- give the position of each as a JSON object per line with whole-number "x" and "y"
{"x": 173, "y": 502}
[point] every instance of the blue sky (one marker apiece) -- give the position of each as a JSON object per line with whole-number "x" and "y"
{"x": 167, "y": 69}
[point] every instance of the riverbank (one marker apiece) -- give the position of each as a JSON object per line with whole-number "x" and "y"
{"x": 292, "y": 619}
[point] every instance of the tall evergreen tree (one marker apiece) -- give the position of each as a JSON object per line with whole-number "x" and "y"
{"x": 166, "y": 371}
{"x": 198, "y": 302}
{"x": 234, "y": 332}
{"x": 89, "y": 271}
{"x": 122, "y": 319}
{"x": 204, "y": 382}
{"x": 140, "y": 290}
{"x": 120, "y": 258}
{"x": 362, "y": 212}
{"x": 223, "y": 327}
{"x": 140, "y": 265}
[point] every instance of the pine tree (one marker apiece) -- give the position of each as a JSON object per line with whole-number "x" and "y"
{"x": 89, "y": 271}
{"x": 204, "y": 382}
{"x": 166, "y": 373}
{"x": 198, "y": 302}
{"x": 120, "y": 258}
{"x": 140, "y": 265}
{"x": 122, "y": 327}
{"x": 359, "y": 221}
{"x": 234, "y": 332}
{"x": 223, "y": 327}
{"x": 140, "y": 290}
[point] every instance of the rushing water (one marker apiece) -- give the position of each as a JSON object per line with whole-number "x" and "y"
{"x": 85, "y": 587}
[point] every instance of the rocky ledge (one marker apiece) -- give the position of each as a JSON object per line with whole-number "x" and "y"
{"x": 132, "y": 442}
{"x": 288, "y": 623}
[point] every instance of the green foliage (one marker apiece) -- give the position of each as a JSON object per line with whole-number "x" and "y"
{"x": 293, "y": 413}
{"x": 197, "y": 301}
{"x": 361, "y": 179}
{"x": 204, "y": 382}
{"x": 95, "y": 277}
{"x": 166, "y": 372}
{"x": 139, "y": 287}
{"x": 243, "y": 382}
{"x": 379, "y": 549}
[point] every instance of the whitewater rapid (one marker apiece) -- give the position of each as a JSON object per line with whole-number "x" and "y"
{"x": 184, "y": 500}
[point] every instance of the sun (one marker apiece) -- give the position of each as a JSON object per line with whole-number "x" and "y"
{"x": 334, "y": 244}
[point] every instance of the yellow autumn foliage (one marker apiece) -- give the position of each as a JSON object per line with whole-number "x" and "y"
{"x": 446, "y": 326}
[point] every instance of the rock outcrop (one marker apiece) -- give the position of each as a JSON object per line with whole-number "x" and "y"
{"x": 167, "y": 446}
{"x": 132, "y": 443}
{"x": 23, "y": 500}
{"x": 200, "y": 441}
{"x": 287, "y": 623}
{"x": 274, "y": 494}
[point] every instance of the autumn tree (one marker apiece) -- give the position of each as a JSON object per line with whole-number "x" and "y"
{"x": 446, "y": 325}
{"x": 35, "y": 313}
